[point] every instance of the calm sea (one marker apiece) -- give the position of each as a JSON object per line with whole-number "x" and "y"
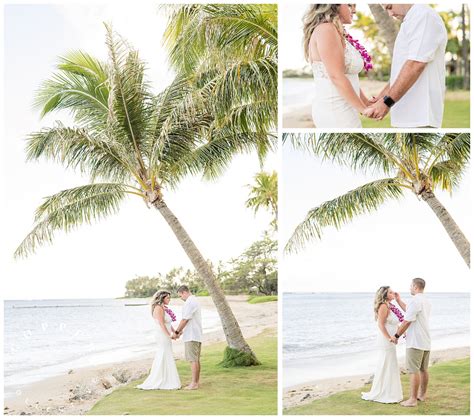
{"x": 44, "y": 338}
{"x": 297, "y": 92}
{"x": 332, "y": 334}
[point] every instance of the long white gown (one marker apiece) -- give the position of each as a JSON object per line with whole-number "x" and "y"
{"x": 330, "y": 109}
{"x": 386, "y": 387}
{"x": 163, "y": 374}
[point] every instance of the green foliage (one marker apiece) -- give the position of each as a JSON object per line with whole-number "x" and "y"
{"x": 144, "y": 286}
{"x": 448, "y": 394}
{"x": 235, "y": 358}
{"x": 264, "y": 194}
{"x": 254, "y": 271}
{"x": 409, "y": 161}
{"x": 133, "y": 142}
{"x": 252, "y": 391}
{"x": 455, "y": 82}
{"x": 262, "y": 299}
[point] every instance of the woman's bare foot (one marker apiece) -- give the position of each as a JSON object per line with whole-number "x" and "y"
{"x": 421, "y": 397}
{"x": 409, "y": 403}
{"x": 192, "y": 387}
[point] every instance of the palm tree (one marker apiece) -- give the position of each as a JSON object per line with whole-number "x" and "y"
{"x": 387, "y": 25}
{"x": 131, "y": 143}
{"x": 419, "y": 163}
{"x": 264, "y": 194}
{"x": 229, "y": 51}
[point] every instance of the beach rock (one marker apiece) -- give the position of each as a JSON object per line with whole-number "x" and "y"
{"x": 105, "y": 383}
{"x": 70, "y": 372}
{"x": 23, "y": 413}
{"x": 370, "y": 380}
{"x": 307, "y": 396}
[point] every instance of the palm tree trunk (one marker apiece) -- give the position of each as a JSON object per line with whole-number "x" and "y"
{"x": 453, "y": 230}
{"x": 233, "y": 334}
{"x": 387, "y": 26}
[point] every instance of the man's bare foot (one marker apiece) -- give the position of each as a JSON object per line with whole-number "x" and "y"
{"x": 192, "y": 387}
{"x": 421, "y": 397}
{"x": 409, "y": 403}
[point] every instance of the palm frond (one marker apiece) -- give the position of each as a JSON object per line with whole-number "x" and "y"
{"x": 341, "y": 210}
{"x": 454, "y": 147}
{"x": 70, "y": 208}
{"x": 77, "y": 148}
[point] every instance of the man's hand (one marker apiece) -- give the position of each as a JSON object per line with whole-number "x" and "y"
{"x": 397, "y": 296}
{"x": 377, "y": 111}
{"x": 393, "y": 339}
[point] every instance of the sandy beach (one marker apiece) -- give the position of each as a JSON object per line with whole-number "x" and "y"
{"x": 308, "y": 392}
{"x": 76, "y": 392}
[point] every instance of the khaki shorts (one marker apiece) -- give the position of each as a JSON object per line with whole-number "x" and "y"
{"x": 417, "y": 360}
{"x": 192, "y": 351}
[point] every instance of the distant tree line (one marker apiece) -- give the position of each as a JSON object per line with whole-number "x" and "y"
{"x": 253, "y": 272}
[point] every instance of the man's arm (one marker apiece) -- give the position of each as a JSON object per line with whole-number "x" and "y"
{"x": 409, "y": 74}
{"x": 403, "y": 327}
{"x": 182, "y": 324}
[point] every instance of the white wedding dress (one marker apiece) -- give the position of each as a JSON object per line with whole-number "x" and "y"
{"x": 386, "y": 387}
{"x": 163, "y": 374}
{"x": 330, "y": 109}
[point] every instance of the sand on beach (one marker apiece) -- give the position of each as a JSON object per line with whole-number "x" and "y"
{"x": 308, "y": 392}
{"x": 76, "y": 392}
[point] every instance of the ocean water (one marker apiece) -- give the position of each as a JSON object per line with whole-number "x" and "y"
{"x": 332, "y": 334}
{"x": 43, "y": 338}
{"x": 297, "y": 92}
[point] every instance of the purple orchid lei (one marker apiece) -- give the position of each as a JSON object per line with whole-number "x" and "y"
{"x": 171, "y": 314}
{"x": 397, "y": 312}
{"x": 362, "y": 51}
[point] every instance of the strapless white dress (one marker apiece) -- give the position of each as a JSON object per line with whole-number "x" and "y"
{"x": 163, "y": 374}
{"x": 386, "y": 387}
{"x": 330, "y": 109}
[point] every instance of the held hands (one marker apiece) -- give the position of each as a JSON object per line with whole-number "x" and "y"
{"x": 393, "y": 339}
{"x": 377, "y": 110}
{"x": 176, "y": 336}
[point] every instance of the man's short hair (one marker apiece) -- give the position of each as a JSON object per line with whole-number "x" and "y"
{"x": 420, "y": 283}
{"x": 183, "y": 288}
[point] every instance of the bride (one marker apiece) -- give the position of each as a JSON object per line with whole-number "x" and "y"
{"x": 163, "y": 374}
{"x": 386, "y": 387}
{"x": 336, "y": 59}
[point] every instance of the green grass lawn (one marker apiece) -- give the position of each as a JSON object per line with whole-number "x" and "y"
{"x": 456, "y": 115}
{"x": 448, "y": 394}
{"x": 262, "y": 299}
{"x": 224, "y": 391}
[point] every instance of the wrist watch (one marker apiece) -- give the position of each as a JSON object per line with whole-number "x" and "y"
{"x": 397, "y": 335}
{"x": 388, "y": 101}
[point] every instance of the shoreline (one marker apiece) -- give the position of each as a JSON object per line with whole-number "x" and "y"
{"x": 308, "y": 392}
{"x": 76, "y": 392}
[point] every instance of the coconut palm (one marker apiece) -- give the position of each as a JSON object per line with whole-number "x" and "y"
{"x": 420, "y": 163}
{"x": 230, "y": 53}
{"x": 264, "y": 194}
{"x": 131, "y": 142}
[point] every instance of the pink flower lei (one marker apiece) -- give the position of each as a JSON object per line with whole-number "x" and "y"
{"x": 362, "y": 51}
{"x": 397, "y": 312}
{"x": 171, "y": 314}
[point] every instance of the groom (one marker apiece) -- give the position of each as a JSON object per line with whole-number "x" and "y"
{"x": 191, "y": 329}
{"x": 416, "y": 326}
{"x": 415, "y": 94}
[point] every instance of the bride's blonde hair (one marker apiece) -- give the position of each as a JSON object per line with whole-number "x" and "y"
{"x": 314, "y": 16}
{"x": 380, "y": 298}
{"x": 158, "y": 299}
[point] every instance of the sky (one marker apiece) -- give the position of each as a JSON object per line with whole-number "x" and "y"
{"x": 96, "y": 261}
{"x": 400, "y": 241}
{"x": 291, "y": 27}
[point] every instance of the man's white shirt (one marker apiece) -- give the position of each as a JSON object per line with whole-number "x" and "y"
{"x": 192, "y": 312}
{"x": 423, "y": 38}
{"x": 418, "y": 313}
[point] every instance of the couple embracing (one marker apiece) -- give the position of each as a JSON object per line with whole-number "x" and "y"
{"x": 164, "y": 374}
{"x": 411, "y": 323}
{"x": 415, "y": 93}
